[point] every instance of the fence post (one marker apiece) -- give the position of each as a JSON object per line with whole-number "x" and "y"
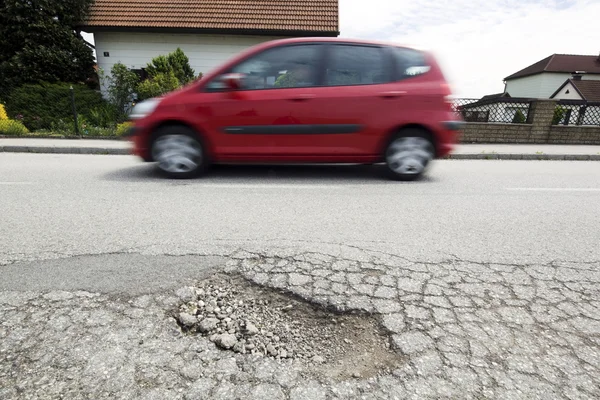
{"x": 74, "y": 111}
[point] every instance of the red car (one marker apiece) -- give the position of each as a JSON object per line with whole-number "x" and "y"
{"x": 304, "y": 100}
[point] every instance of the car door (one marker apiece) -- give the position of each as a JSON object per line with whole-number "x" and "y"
{"x": 259, "y": 121}
{"x": 360, "y": 96}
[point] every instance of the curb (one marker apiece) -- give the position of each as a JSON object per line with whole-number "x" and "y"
{"x": 64, "y": 150}
{"x": 479, "y": 156}
{"x": 552, "y": 157}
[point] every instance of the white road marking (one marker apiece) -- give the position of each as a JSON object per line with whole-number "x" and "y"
{"x": 16, "y": 183}
{"x": 268, "y": 186}
{"x": 556, "y": 189}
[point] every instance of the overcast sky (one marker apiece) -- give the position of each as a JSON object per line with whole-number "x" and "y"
{"x": 479, "y": 42}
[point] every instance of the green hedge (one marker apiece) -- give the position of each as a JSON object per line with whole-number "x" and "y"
{"x": 44, "y": 105}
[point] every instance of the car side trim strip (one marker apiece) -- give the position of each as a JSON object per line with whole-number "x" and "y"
{"x": 325, "y": 129}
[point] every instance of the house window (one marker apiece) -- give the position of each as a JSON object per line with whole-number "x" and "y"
{"x": 141, "y": 73}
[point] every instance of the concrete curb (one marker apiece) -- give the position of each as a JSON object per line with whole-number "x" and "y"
{"x": 477, "y": 156}
{"x": 64, "y": 150}
{"x": 553, "y": 157}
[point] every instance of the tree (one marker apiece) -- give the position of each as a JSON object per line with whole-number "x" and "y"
{"x": 519, "y": 117}
{"x": 177, "y": 62}
{"x": 121, "y": 86}
{"x": 40, "y": 42}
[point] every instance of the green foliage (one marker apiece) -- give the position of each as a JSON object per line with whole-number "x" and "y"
{"x": 38, "y": 106}
{"x": 104, "y": 116}
{"x": 39, "y": 42}
{"x": 123, "y": 128}
{"x": 559, "y": 113}
{"x": 158, "y": 85}
{"x": 176, "y": 62}
{"x": 121, "y": 85}
{"x": 519, "y": 117}
{"x": 12, "y": 128}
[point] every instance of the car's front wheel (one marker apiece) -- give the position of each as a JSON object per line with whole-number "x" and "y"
{"x": 178, "y": 152}
{"x": 408, "y": 154}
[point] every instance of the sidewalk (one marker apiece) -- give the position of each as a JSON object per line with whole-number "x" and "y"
{"x": 462, "y": 151}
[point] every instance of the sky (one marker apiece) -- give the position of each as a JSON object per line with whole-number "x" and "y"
{"x": 478, "y": 42}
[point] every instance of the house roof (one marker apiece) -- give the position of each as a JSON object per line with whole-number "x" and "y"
{"x": 566, "y": 63}
{"x": 317, "y": 17}
{"x": 588, "y": 89}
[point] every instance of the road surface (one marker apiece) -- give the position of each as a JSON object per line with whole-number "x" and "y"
{"x": 484, "y": 275}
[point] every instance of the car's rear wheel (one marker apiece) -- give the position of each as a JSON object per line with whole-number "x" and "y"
{"x": 178, "y": 152}
{"x": 408, "y": 154}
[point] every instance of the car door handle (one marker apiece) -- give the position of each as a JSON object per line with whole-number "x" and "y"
{"x": 302, "y": 97}
{"x": 392, "y": 94}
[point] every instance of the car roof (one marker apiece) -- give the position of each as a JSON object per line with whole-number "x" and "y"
{"x": 316, "y": 39}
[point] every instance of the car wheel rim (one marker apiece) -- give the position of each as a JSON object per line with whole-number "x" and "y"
{"x": 409, "y": 155}
{"x": 177, "y": 153}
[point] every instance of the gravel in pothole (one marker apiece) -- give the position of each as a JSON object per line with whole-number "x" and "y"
{"x": 245, "y": 318}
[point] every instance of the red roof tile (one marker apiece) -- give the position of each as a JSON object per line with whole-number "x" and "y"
{"x": 308, "y": 16}
{"x": 566, "y": 63}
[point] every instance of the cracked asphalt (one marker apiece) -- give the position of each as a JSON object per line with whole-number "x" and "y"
{"x": 485, "y": 277}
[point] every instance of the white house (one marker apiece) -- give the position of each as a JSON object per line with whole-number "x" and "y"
{"x": 578, "y": 89}
{"x": 540, "y": 80}
{"x": 208, "y": 31}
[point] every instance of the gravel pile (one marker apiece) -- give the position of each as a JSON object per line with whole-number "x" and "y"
{"x": 247, "y": 319}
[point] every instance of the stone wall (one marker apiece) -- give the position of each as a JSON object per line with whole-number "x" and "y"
{"x": 539, "y": 131}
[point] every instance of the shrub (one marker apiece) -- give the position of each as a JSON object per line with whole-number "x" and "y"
{"x": 38, "y": 106}
{"x": 3, "y": 115}
{"x": 104, "y": 116}
{"x": 158, "y": 85}
{"x": 121, "y": 85}
{"x": 176, "y": 62}
{"x": 559, "y": 113}
{"x": 123, "y": 128}
{"x": 12, "y": 128}
{"x": 519, "y": 118}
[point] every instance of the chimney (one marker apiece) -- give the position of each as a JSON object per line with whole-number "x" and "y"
{"x": 576, "y": 76}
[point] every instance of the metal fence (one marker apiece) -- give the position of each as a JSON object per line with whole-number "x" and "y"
{"x": 499, "y": 110}
{"x": 577, "y": 112}
{"x": 59, "y": 110}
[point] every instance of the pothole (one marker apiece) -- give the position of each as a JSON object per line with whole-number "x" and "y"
{"x": 244, "y": 318}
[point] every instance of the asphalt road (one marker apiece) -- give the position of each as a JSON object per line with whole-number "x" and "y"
{"x": 56, "y": 206}
{"x": 483, "y": 278}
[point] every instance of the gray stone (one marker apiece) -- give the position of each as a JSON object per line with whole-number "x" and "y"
{"x": 225, "y": 340}
{"x": 208, "y": 325}
{"x": 187, "y": 320}
{"x": 266, "y": 391}
{"x": 186, "y": 294}
{"x": 312, "y": 390}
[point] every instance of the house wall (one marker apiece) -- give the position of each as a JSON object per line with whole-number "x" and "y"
{"x": 136, "y": 49}
{"x": 540, "y": 86}
{"x": 572, "y": 95}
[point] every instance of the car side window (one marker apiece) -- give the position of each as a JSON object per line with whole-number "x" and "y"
{"x": 280, "y": 67}
{"x": 356, "y": 65}
{"x": 409, "y": 62}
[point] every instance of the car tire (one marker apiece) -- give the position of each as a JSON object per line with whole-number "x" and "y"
{"x": 408, "y": 154}
{"x": 179, "y": 152}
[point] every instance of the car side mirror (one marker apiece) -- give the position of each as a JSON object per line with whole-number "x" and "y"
{"x": 233, "y": 81}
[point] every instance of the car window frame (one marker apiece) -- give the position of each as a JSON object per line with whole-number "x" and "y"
{"x": 386, "y": 55}
{"x": 320, "y": 76}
